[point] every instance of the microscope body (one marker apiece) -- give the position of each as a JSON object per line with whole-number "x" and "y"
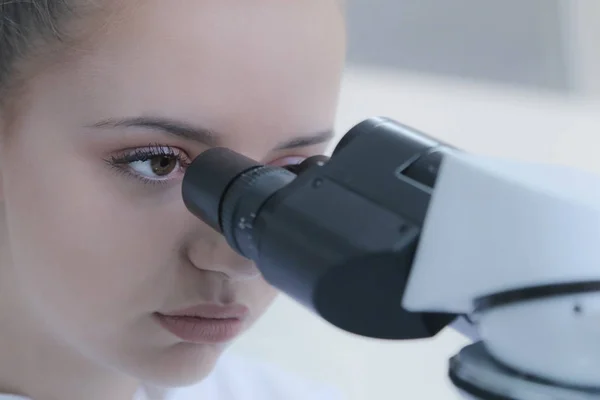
{"x": 396, "y": 235}
{"x": 516, "y": 246}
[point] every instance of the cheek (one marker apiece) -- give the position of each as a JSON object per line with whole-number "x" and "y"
{"x": 260, "y": 293}
{"x": 83, "y": 251}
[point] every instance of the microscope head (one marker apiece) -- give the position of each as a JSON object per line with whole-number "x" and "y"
{"x": 396, "y": 234}
{"x": 517, "y": 246}
{"x": 337, "y": 234}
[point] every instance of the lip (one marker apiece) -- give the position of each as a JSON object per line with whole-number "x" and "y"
{"x": 206, "y": 323}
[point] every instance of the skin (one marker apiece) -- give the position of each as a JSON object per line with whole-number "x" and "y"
{"x": 91, "y": 250}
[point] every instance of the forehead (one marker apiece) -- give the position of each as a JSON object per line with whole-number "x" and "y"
{"x": 257, "y": 64}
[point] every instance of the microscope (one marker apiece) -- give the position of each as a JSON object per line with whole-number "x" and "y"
{"x": 397, "y": 236}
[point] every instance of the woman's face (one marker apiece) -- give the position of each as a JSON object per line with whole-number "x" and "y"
{"x": 91, "y": 171}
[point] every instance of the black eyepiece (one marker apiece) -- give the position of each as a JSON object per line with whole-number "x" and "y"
{"x": 207, "y": 179}
{"x": 226, "y": 190}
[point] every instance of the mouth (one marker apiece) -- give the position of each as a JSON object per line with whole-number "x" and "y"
{"x": 206, "y": 323}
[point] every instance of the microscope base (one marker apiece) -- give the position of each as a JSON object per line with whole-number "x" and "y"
{"x": 477, "y": 376}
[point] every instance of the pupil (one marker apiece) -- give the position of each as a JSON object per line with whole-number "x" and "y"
{"x": 163, "y": 165}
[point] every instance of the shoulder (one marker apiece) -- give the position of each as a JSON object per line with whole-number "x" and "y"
{"x": 237, "y": 378}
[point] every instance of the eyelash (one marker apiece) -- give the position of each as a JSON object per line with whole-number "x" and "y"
{"x": 122, "y": 161}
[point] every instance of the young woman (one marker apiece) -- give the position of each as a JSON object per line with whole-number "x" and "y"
{"x": 109, "y": 287}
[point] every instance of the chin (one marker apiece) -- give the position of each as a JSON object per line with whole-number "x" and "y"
{"x": 180, "y": 365}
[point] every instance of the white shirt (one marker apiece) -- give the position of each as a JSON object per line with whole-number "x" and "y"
{"x": 240, "y": 379}
{"x": 236, "y": 378}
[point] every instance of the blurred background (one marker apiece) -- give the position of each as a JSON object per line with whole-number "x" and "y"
{"x": 514, "y": 78}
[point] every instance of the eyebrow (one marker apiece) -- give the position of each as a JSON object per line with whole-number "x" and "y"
{"x": 205, "y": 136}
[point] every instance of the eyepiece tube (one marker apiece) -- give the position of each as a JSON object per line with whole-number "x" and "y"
{"x": 226, "y": 189}
{"x": 207, "y": 179}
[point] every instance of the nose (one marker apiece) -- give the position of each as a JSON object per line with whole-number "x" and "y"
{"x": 214, "y": 254}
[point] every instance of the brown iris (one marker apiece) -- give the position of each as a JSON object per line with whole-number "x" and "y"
{"x": 163, "y": 165}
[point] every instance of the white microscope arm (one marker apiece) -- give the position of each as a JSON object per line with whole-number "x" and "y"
{"x": 466, "y": 327}
{"x": 516, "y": 246}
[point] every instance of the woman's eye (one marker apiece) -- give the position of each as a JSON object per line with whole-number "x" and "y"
{"x": 286, "y": 161}
{"x": 153, "y": 164}
{"x": 159, "y": 166}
